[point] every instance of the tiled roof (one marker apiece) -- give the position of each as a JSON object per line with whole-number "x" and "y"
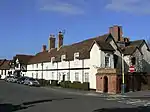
{"x": 39, "y": 57}
{"x": 69, "y": 50}
{"x": 2, "y": 61}
{"x": 132, "y": 46}
{"x": 5, "y": 65}
{"x": 129, "y": 50}
{"x": 104, "y": 46}
{"x": 136, "y": 43}
{"x": 24, "y": 59}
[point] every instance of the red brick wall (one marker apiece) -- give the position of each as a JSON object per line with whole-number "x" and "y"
{"x": 99, "y": 83}
{"x": 112, "y": 83}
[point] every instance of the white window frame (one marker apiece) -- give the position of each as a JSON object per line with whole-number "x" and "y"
{"x": 86, "y": 77}
{"x": 32, "y": 65}
{"x": 107, "y": 56}
{"x": 68, "y": 76}
{"x": 52, "y": 59}
{"x": 76, "y": 76}
{"x": 76, "y": 55}
{"x": 52, "y": 63}
{"x": 63, "y": 57}
{"x": 52, "y": 75}
{"x": 32, "y": 75}
{"x": 58, "y": 76}
{"x": 37, "y": 75}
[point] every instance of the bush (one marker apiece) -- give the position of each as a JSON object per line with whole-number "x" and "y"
{"x": 86, "y": 86}
{"x": 44, "y": 82}
{"x": 79, "y": 85}
{"x": 65, "y": 84}
{"x": 76, "y": 85}
{"x": 54, "y": 82}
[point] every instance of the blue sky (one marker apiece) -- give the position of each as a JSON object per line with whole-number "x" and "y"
{"x": 25, "y": 25}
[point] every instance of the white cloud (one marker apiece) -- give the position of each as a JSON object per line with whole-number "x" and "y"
{"x": 130, "y": 6}
{"x": 62, "y": 6}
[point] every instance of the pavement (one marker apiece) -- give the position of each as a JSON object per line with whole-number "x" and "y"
{"x": 21, "y": 98}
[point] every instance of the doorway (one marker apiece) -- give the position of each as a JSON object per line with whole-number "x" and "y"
{"x": 105, "y": 90}
{"x": 63, "y": 77}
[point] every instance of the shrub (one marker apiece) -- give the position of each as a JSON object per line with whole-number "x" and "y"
{"x": 62, "y": 84}
{"x": 79, "y": 85}
{"x": 65, "y": 84}
{"x": 44, "y": 82}
{"x": 76, "y": 85}
{"x": 54, "y": 82}
{"x": 85, "y": 85}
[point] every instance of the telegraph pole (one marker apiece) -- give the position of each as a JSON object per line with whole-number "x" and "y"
{"x": 123, "y": 78}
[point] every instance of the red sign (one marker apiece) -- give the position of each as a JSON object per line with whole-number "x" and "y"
{"x": 132, "y": 69}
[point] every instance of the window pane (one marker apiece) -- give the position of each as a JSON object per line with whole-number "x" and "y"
{"x": 107, "y": 63}
{"x": 52, "y": 75}
{"x": 68, "y": 76}
{"x": 86, "y": 77}
{"x": 76, "y": 76}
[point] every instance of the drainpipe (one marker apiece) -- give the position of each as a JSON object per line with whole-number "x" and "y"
{"x": 123, "y": 78}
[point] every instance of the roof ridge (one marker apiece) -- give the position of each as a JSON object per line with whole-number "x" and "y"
{"x": 137, "y": 40}
{"x": 91, "y": 38}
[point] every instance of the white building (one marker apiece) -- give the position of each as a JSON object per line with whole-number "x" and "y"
{"x": 79, "y": 61}
{"x": 4, "y": 68}
{"x": 18, "y": 65}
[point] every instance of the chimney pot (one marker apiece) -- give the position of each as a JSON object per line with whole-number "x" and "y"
{"x": 51, "y": 42}
{"x": 43, "y": 48}
{"x": 60, "y": 39}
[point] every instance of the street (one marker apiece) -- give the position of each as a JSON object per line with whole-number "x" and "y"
{"x": 21, "y": 98}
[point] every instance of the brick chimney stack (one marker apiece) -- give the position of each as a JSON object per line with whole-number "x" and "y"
{"x": 116, "y": 32}
{"x": 43, "y": 48}
{"x": 51, "y": 42}
{"x": 60, "y": 39}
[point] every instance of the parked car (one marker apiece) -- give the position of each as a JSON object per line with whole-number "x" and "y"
{"x": 8, "y": 78}
{"x": 21, "y": 80}
{"x": 14, "y": 79}
{"x": 31, "y": 82}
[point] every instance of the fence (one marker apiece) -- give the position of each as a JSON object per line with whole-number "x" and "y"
{"x": 135, "y": 81}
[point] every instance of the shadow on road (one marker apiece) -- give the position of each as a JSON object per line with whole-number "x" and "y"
{"x": 135, "y": 109}
{"x": 12, "y": 108}
{"x": 42, "y": 101}
{"x": 25, "y": 105}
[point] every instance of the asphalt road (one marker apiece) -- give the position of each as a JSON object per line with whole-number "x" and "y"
{"x": 20, "y": 98}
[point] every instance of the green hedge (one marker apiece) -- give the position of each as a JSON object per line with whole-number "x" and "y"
{"x": 44, "y": 82}
{"x": 86, "y": 85}
{"x": 54, "y": 83}
{"x": 65, "y": 84}
{"x": 75, "y": 85}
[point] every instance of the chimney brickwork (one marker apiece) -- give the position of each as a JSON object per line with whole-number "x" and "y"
{"x": 43, "y": 48}
{"x": 60, "y": 39}
{"x": 51, "y": 42}
{"x": 116, "y": 32}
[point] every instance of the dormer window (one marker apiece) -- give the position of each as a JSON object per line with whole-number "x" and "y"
{"x": 76, "y": 55}
{"x": 52, "y": 59}
{"x": 63, "y": 57}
